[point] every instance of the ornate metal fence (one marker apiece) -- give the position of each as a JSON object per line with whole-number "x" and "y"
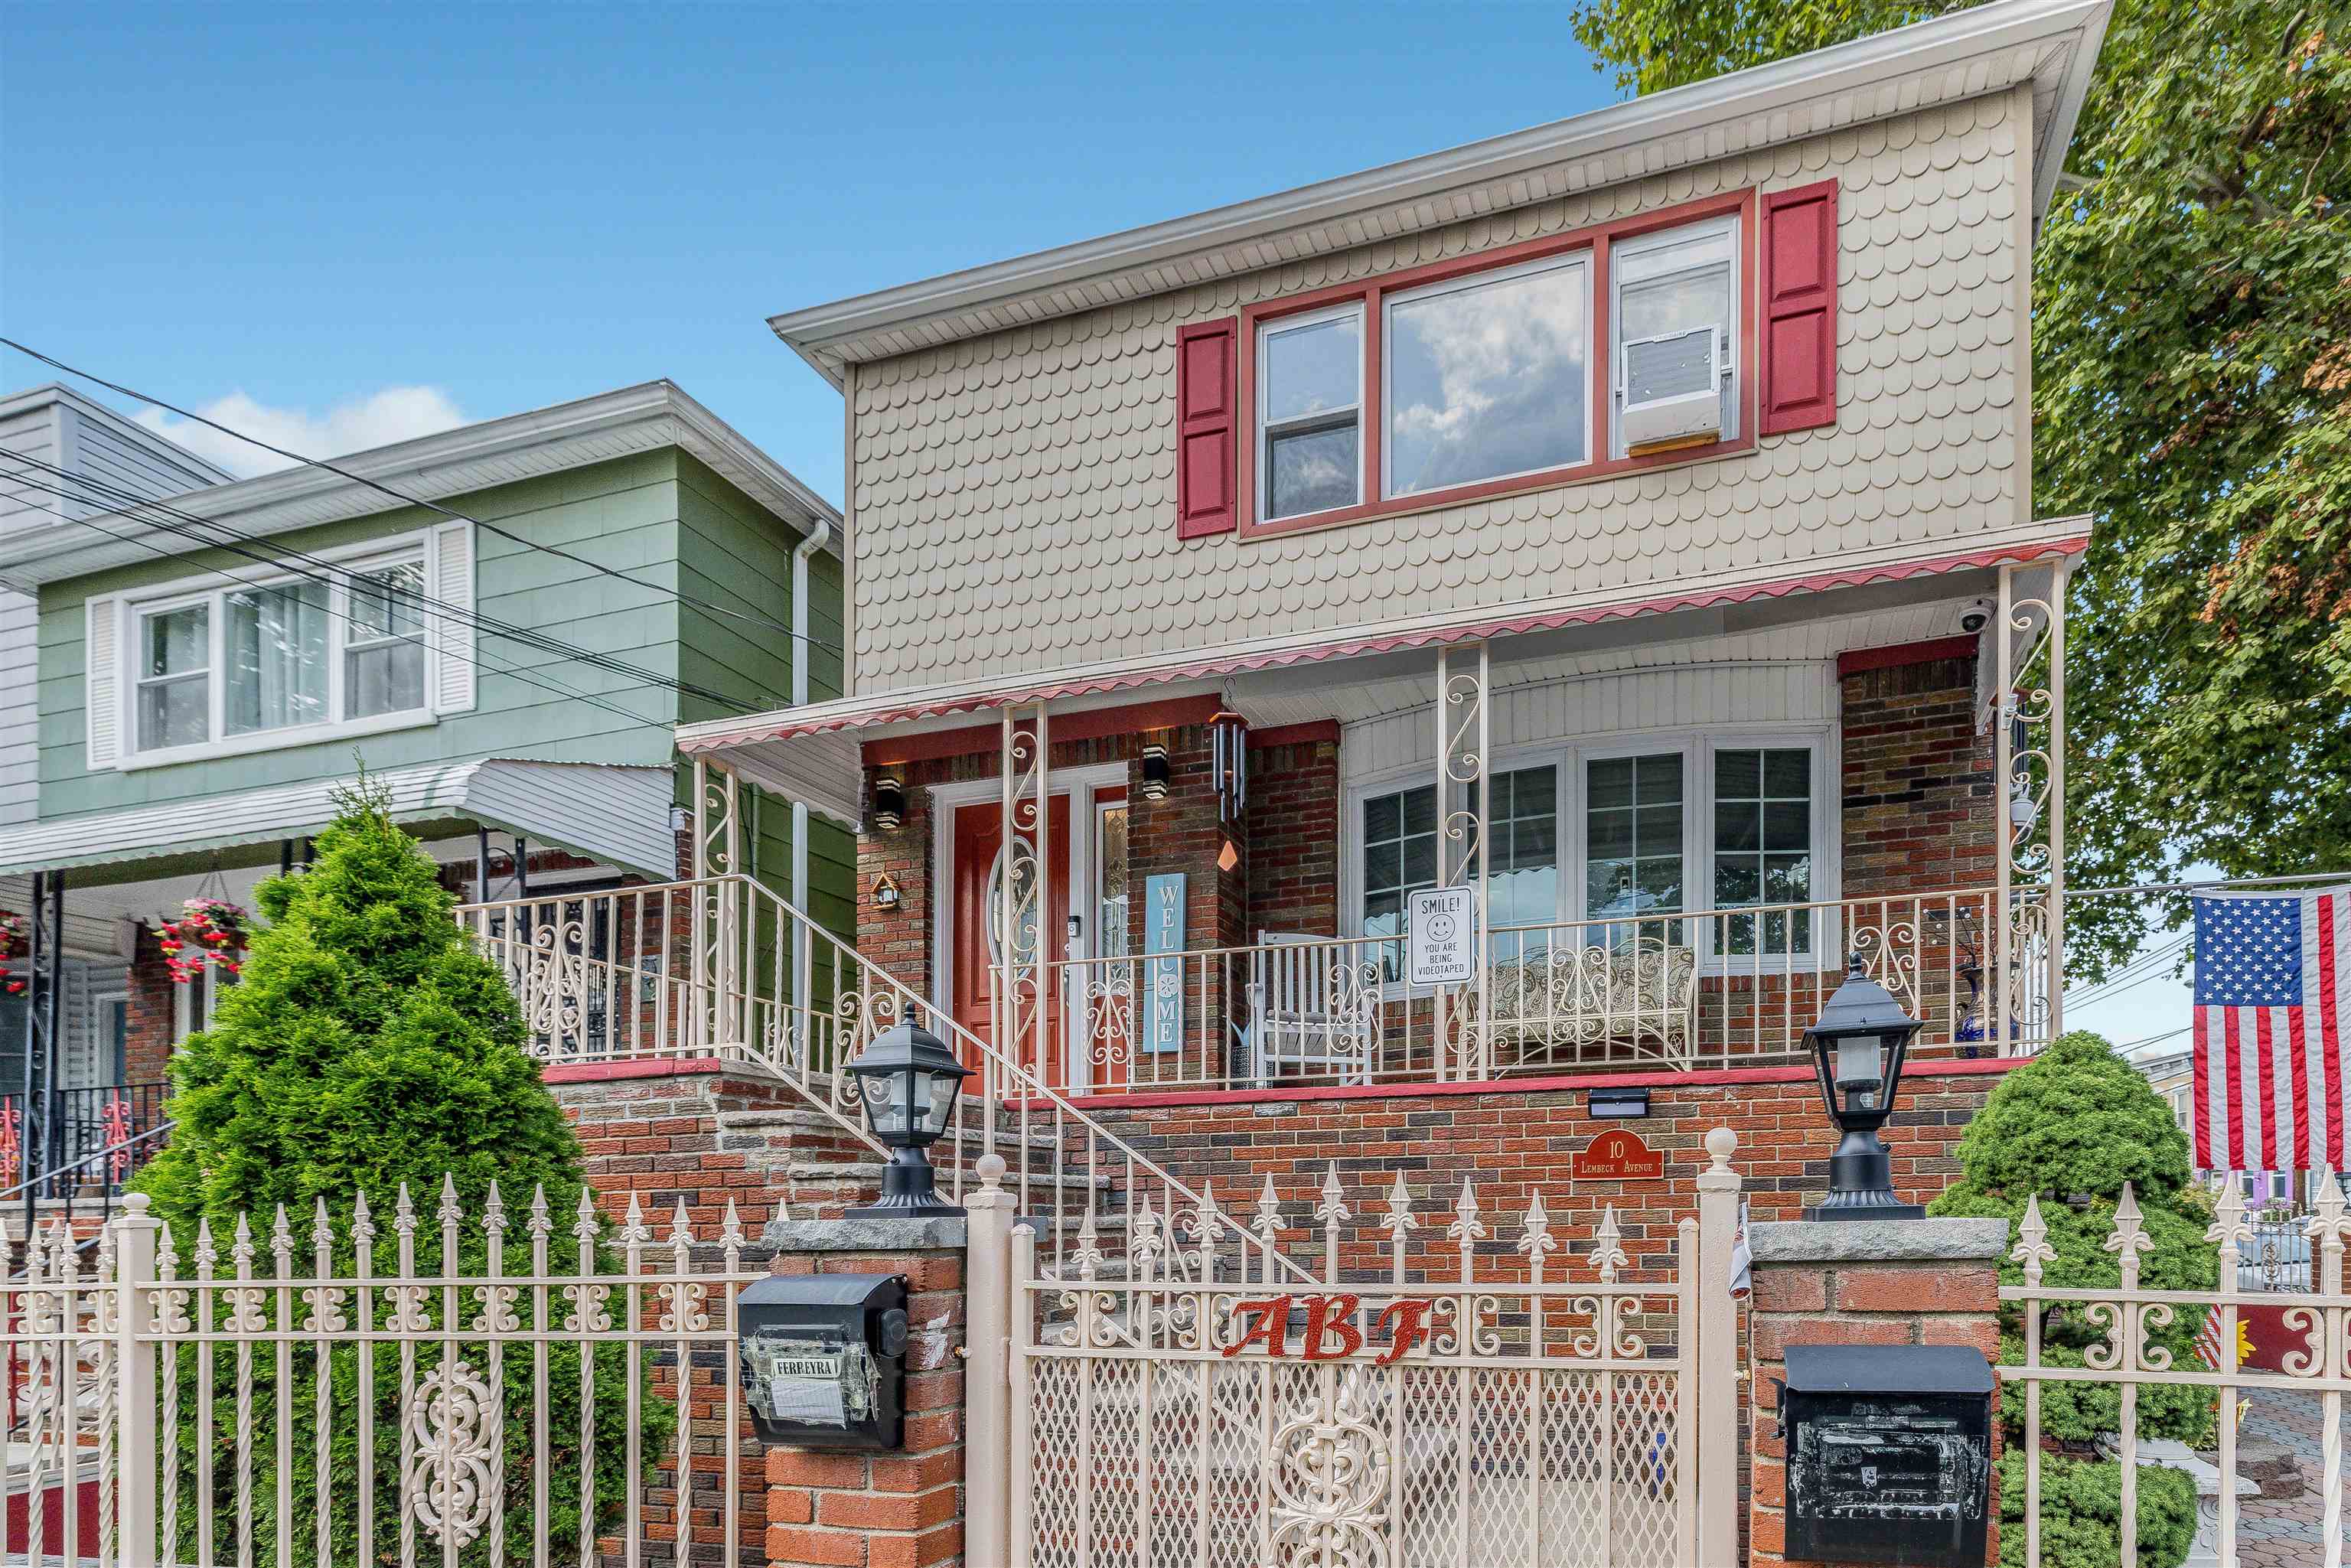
{"x": 383, "y": 1386}
{"x": 2125, "y": 1324}
{"x": 1489, "y": 1398}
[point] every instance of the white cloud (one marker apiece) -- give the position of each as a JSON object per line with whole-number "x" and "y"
{"x": 394, "y": 413}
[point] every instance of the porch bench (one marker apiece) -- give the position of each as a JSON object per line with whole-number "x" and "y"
{"x": 1643, "y": 993}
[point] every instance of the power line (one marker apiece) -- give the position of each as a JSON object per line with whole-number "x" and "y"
{"x": 406, "y": 499}
{"x": 125, "y": 502}
{"x": 542, "y": 683}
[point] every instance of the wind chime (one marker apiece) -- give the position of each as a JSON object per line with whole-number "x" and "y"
{"x": 210, "y": 932}
{"x": 1228, "y": 771}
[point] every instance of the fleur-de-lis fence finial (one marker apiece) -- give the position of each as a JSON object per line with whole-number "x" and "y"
{"x": 2032, "y": 1250}
{"x": 1608, "y": 1254}
{"x": 1536, "y": 1243}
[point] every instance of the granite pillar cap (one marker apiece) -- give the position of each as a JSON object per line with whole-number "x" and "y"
{"x": 862, "y": 1233}
{"x": 1879, "y": 1241}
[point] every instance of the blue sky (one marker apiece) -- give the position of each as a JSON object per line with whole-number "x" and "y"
{"x": 515, "y": 204}
{"x": 339, "y": 225}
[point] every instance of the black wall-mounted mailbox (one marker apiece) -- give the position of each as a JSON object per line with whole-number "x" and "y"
{"x": 824, "y": 1359}
{"x": 1889, "y": 1454}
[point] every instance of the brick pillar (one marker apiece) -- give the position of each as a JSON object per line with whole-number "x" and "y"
{"x": 901, "y": 1509}
{"x": 1185, "y": 833}
{"x": 1893, "y": 1281}
{"x": 153, "y": 1012}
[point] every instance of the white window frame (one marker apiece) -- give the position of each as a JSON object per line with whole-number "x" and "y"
{"x": 130, "y": 610}
{"x": 1624, "y": 255}
{"x": 1569, "y": 758}
{"x": 1579, "y": 261}
{"x": 1264, "y": 429}
{"x": 184, "y": 1022}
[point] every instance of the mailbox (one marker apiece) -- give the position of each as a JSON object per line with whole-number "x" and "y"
{"x": 1889, "y": 1454}
{"x": 824, "y": 1359}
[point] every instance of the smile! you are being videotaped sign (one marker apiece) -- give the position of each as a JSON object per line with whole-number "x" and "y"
{"x": 1441, "y": 936}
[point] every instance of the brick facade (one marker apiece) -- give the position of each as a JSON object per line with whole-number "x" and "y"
{"x": 1511, "y": 1141}
{"x": 1915, "y": 777}
{"x": 1293, "y": 838}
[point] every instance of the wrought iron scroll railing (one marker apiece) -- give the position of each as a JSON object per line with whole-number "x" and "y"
{"x": 722, "y": 968}
{"x": 1704, "y": 988}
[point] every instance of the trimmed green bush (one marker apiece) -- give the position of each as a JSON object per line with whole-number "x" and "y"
{"x": 2071, "y": 1127}
{"x": 369, "y": 1048}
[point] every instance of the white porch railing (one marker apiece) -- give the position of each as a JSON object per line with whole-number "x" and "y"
{"x": 720, "y": 967}
{"x": 1704, "y": 988}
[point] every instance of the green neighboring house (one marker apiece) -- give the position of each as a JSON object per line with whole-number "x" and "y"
{"x": 510, "y": 670}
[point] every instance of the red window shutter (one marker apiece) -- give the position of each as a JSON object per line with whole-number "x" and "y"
{"x": 1800, "y": 308}
{"x": 1205, "y": 395}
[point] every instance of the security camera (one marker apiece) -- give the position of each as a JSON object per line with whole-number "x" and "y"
{"x": 1973, "y": 617}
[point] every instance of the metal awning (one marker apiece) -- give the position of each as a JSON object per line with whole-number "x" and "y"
{"x": 610, "y": 812}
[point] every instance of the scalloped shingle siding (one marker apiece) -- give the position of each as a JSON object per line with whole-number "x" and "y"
{"x": 1015, "y": 494}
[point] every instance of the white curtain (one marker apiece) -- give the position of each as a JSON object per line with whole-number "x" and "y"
{"x": 276, "y": 657}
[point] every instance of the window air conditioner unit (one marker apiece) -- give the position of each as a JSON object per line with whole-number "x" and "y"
{"x": 1673, "y": 389}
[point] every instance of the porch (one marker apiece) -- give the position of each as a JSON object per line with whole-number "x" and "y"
{"x": 1672, "y": 832}
{"x": 91, "y": 1011}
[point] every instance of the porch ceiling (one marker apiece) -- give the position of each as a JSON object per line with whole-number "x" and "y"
{"x": 608, "y": 813}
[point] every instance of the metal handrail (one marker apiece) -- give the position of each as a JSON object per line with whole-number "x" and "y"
{"x": 159, "y": 1130}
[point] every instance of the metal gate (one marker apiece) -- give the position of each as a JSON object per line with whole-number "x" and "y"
{"x": 1457, "y": 1386}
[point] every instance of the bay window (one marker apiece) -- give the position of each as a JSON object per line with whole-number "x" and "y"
{"x": 249, "y": 665}
{"x": 1611, "y": 843}
{"x": 1478, "y": 375}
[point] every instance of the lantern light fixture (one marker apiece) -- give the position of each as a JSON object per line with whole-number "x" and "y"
{"x": 1155, "y": 772}
{"x": 907, "y": 1080}
{"x": 1858, "y": 1047}
{"x": 889, "y": 803}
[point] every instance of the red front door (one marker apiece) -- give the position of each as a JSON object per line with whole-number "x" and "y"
{"x": 979, "y": 865}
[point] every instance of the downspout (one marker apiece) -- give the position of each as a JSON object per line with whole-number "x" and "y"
{"x": 817, "y": 537}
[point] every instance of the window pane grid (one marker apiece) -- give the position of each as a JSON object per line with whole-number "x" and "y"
{"x": 1763, "y": 844}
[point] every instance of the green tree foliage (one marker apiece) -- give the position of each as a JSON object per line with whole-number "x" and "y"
{"x": 2071, "y": 1128}
{"x": 370, "y": 1051}
{"x": 2191, "y": 390}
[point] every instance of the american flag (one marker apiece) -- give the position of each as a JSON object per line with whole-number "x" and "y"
{"x": 2208, "y": 1342}
{"x": 2273, "y": 971}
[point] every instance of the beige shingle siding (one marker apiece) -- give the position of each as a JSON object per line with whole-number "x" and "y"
{"x": 1015, "y": 494}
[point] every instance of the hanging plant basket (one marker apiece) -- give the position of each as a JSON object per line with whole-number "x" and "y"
{"x": 12, "y": 936}
{"x": 210, "y": 933}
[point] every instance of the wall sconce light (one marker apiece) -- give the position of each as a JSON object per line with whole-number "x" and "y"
{"x": 1155, "y": 772}
{"x": 1616, "y": 1104}
{"x": 885, "y": 891}
{"x": 889, "y": 803}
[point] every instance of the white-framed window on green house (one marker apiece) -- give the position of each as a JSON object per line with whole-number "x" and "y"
{"x": 1617, "y": 840}
{"x": 186, "y": 673}
{"x": 383, "y": 645}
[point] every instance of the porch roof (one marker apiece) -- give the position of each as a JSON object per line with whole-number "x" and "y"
{"x": 615, "y": 813}
{"x": 806, "y": 750}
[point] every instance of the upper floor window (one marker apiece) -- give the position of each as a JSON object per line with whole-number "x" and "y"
{"x": 1311, "y": 376}
{"x": 1471, "y": 377}
{"x": 278, "y": 659}
{"x": 1676, "y": 326}
{"x": 1486, "y": 376}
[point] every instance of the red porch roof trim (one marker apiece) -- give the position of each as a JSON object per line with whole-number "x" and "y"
{"x": 1090, "y": 724}
{"x": 643, "y": 1067}
{"x": 1312, "y": 729}
{"x": 1713, "y": 1078}
{"x": 1854, "y": 661}
{"x": 1391, "y": 642}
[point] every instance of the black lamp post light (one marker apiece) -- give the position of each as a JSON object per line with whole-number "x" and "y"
{"x": 907, "y": 1080}
{"x": 1858, "y": 1048}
